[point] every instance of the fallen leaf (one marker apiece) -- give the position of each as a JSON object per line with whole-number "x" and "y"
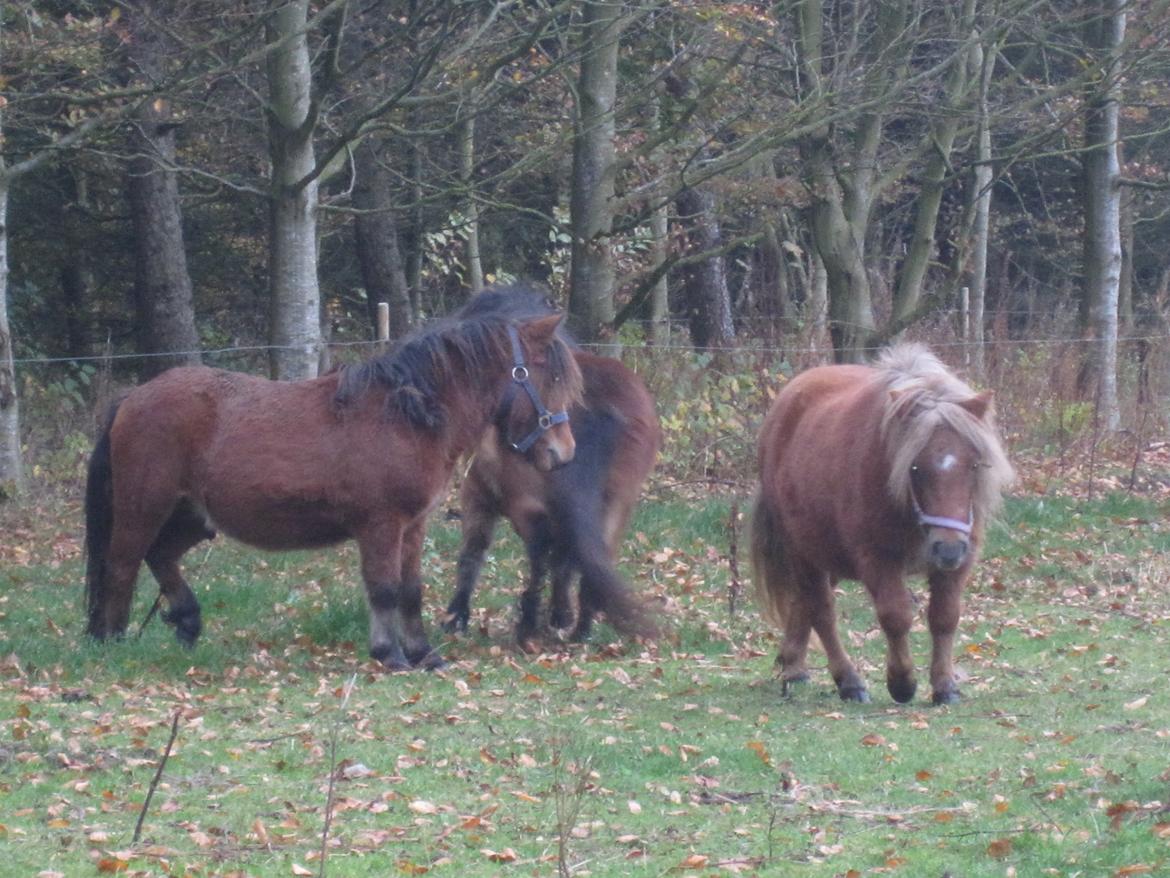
{"x": 507, "y": 855}
{"x": 1000, "y": 848}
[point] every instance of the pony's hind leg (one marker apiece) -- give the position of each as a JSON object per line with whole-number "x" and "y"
{"x": 538, "y": 540}
{"x": 479, "y": 524}
{"x": 185, "y": 528}
{"x": 561, "y": 600}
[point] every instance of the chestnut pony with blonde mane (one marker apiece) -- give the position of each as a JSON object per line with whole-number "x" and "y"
{"x": 361, "y": 454}
{"x": 872, "y": 473}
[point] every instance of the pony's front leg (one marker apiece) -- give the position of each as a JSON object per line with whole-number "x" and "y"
{"x": 381, "y": 557}
{"x": 414, "y": 636}
{"x": 943, "y": 619}
{"x": 895, "y": 611}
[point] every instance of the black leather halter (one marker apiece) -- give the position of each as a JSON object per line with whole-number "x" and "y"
{"x": 545, "y": 420}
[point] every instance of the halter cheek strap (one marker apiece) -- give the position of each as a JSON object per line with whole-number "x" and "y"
{"x": 545, "y": 420}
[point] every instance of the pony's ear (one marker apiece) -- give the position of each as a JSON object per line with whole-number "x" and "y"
{"x": 541, "y": 331}
{"x": 980, "y": 404}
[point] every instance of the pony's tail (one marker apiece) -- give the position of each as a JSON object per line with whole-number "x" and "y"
{"x": 771, "y": 574}
{"x": 605, "y": 589}
{"x": 99, "y": 525}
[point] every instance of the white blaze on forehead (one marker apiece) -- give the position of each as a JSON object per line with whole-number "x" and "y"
{"x": 947, "y": 463}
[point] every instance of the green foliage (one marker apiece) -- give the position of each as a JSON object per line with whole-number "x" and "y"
{"x": 711, "y": 408}
{"x": 57, "y": 414}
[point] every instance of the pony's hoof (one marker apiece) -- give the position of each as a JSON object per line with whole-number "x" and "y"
{"x": 456, "y": 623}
{"x": 432, "y": 661}
{"x": 391, "y": 659}
{"x": 791, "y": 681}
{"x": 947, "y": 696}
{"x": 858, "y": 694}
{"x": 903, "y": 693}
{"x": 188, "y": 627}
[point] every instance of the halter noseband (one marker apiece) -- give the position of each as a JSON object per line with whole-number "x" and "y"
{"x": 545, "y": 420}
{"x": 924, "y": 520}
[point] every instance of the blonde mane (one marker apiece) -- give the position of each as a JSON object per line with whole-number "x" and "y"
{"x": 923, "y": 396}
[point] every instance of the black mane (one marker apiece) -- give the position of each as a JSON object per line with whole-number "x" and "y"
{"x": 474, "y": 339}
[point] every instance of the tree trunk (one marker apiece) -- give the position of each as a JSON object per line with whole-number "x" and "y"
{"x": 930, "y": 193}
{"x": 77, "y": 279}
{"x": 471, "y": 207}
{"x": 1105, "y": 34}
{"x": 163, "y": 299}
{"x": 708, "y": 300}
{"x": 660, "y": 295}
{"x": 984, "y": 60}
{"x": 295, "y": 299}
{"x": 376, "y": 241}
{"x": 841, "y": 197}
{"x": 594, "y": 156}
{"x": 11, "y": 467}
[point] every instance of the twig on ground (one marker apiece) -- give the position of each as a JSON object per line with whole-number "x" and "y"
{"x": 333, "y": 772}
{"x": 157, "y": 775}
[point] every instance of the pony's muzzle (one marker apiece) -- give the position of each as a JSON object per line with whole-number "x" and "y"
{"x": 948, "y": 554}
{"x": 554, "y": 455}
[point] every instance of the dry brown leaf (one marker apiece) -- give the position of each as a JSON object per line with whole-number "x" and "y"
{"x": 1000, "y": 848}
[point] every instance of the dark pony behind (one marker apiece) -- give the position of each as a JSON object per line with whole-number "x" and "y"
{"x": 362, "y": 454}
{"x": 871, "y": 474}
{"x": 570, "y": 519}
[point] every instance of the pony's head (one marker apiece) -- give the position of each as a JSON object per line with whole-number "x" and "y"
{"x": 533, "y": 414}
{"x": 532, "y": 417}
{"x": 947, "y": 466}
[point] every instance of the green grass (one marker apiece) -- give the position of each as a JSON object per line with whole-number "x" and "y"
{"x": 681, "y": 759}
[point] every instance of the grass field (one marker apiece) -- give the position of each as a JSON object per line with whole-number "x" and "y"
{"x": 294, "y": 755}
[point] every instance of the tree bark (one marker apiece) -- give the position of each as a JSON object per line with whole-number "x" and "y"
{"x": 471, "y": 206}
{"x": 841, "y": 197}
{"x": 708, "y": 299}
{"x": 295, "y": 299}
{"x": 11, "y": 466}
{"x": 376, "y": 234}
{"x": 594, "y": 157}
{"x": 163, "y": 298}
{"x": 943, "y": 131}
{"x": 984, "y": 60}
{"x": 1104, "y": 35}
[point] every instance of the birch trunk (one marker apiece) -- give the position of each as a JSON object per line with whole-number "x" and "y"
{"x": 1105, "y": 34}
{"x": 295, "y": 299}
{"x": 11, "y": 467}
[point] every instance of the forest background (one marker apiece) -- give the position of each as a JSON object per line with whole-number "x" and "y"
{"x": 241, "y": 184}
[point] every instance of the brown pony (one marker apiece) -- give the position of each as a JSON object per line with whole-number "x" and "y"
{"x": 570, "y": 519}
{"x": 873, "y": 473}
{"x": 362, "y": 454}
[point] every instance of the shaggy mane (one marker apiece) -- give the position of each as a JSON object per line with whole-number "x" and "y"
{"x": 416, "y": 372}
{"x": 925, "y": 395}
